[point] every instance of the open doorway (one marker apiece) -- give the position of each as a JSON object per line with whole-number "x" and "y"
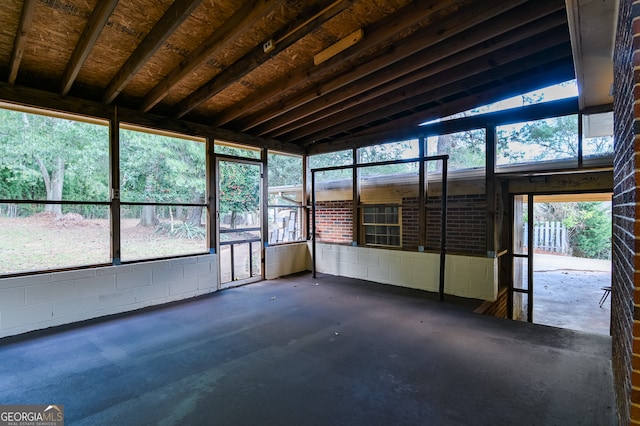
{"x": 239, "y": 215}
{"x": 562, "y": 274}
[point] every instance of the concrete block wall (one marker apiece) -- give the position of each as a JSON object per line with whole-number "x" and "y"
{"x": 465, "y": 276}
{"x": 286, "y": 259}
{"x": 45, "y": 300}
{"x": 625, "y": 294}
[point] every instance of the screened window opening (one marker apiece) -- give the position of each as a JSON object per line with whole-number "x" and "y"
{"x": 466, "y": 150}
{"x": 163, "y": 194}
{"x": 54, "y": 192}
{"x": 286, "y": 214}
{"x": 541, "y": 141}
{"x": 597, "y": 139}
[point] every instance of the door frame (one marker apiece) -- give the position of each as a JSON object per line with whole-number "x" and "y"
{"x": 528, "y": 291}
{"x": 254, "y": 162}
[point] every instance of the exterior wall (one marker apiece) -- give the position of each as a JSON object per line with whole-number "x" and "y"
{"x": 465, "y": 276}
{"x": 286, "y": 259}
{"x": 625, "y": 295}
{"x": 466, "y": 223}
{"x": 334, "y": 221}
{"x": 40, "y": 301}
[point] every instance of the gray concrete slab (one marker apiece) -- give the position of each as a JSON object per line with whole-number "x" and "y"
{"x": 304, "y": 351}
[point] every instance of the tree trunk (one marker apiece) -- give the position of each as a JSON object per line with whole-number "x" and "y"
{"x": 53, "y": 184}
{"x": 148, "y": 216}
{"x": 194, "y": 217}
{"x": 443, "y": 147}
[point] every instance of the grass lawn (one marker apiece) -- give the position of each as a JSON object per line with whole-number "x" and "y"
{"x": 43, "y": 242}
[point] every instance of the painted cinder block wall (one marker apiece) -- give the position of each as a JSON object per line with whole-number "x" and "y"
{"x": 465, "y": 276}
{"x": 625, "y": 297}
{"x": 40, "y": 301}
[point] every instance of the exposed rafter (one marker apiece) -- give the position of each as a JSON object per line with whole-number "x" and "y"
{"x": 559, "y": 72}
{"x": 170, "y": 21}
{"x": 445, "y": 55}
{"x": 299, "y": 28}
{"x": 480, "y": 72}
{"x": 430, "y": 35}
{"x": 246, "y": 69}
{"x": 87, "y": 39}
{"x": 26, "y": 19}
{"x": 239, "y": 23}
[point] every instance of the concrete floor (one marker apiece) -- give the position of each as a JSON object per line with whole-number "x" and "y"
{"x": 304, "y": 351}
{"x": 567, "y": 291}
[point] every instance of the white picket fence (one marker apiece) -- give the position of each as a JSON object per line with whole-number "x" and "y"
{"x": 549, "y": 236}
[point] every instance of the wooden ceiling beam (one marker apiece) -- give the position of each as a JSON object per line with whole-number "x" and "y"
{"x": 477, "y": 73}
{"x": 445, "y": 55}
{"x": 429, "y": 78}
{"x": 20, "y": 42}
{"x": 300, "y": 27}
{"x": 394, "y": 130}
{"x": 177, "y": 13}
{"x": 45, "y": 100}
{"x": 87, "y": 40}
{"x": 241, "y": 21}
{"x": 375, "y": 38}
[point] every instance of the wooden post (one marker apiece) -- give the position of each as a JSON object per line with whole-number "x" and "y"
{"x": 114, "y": 216}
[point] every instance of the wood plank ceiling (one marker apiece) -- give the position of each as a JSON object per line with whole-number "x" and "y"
{"x": 204, "y": 60}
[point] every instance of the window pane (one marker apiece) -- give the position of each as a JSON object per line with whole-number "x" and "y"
{"x": 72, "y": 157}
{"x": 35, "y": 237}
{"x": 537, "y": 141}
{"x": 161, "y": 169}
{"x": 388, "y": 151}
{"x": 285, "y": 198}
{"x": 230, "y": 149}
{"x": 338, "y": 158}
{"x": 466, "y": 150}
{"x": 597, "y": 137}
{"x": 149, "y": 231}
{"x": 284, "y": 170}
{"x": 381, "y": 225}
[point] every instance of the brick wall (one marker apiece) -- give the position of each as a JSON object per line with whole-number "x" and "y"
{"x": 410, "y": 223}
{"x": 466, "y": 224}
{"x": 625, "y": 297}
{"x": 334, "y": 221}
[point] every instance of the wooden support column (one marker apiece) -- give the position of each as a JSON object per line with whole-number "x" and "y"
{"x": 212, "y": 192}
{"x": 355, "y": 233}
{"x": 422, "y": 197}
{"x": 264, "y": 189}
{"x": 491, "y": 194}
{"x": 114, "y": 158}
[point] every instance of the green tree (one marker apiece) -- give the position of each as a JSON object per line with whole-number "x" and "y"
{"x": 239, "y": 189}
{"x": 162, "y": 169}
{"x": 590, "y": 230}
{"x": 588, "y": 226}
{"x": 40, "y": 153}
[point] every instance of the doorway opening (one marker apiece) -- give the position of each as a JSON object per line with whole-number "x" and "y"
{"x": 239, "y": 216}
{"x": 562, "y": 261}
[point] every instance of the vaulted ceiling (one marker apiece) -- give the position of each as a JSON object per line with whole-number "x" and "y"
{"x": 302, "y": 72}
